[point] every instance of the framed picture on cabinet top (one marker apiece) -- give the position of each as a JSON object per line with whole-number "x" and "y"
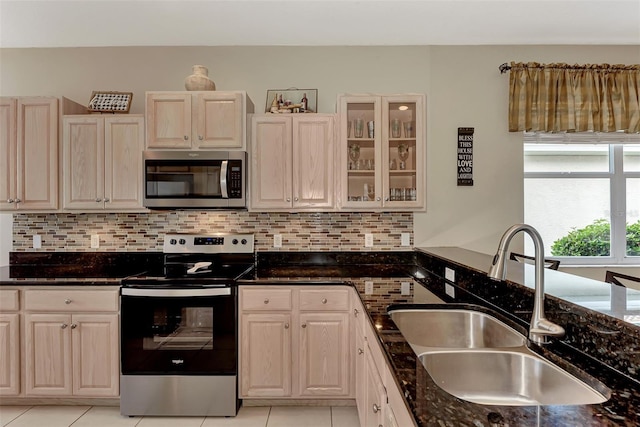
{"x": 110, "y": 102}
{"x": 292, "y": 100}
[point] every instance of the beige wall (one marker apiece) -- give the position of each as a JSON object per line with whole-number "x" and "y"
{"x": 463, "y": 87}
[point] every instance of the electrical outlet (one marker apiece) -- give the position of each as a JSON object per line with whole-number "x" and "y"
{"x": 95, "y": 241}
{"x": 368, "y": 288}
{"x": 405, "y": 288}
{"x": 450, "y": 290}
{"x": 405, "y": 239}
{"x": 37, "y": 241}
{"x": 277, "y": 240}
{"x": 368, "y": 240}
{"x": 450, "y": 274}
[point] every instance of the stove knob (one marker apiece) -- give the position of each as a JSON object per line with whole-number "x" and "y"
{"x": 172, "y": 242}
{"x": 244, "y": 241}
{"x": 234, "y": 241}
{"x": 182, "y": 241}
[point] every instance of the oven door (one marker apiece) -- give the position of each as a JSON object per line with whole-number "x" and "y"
{"x": 178, "y": 331}
{"x": 185, "y": 179}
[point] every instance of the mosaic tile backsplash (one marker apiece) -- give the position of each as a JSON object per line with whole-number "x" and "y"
{"x": 122, "y": 232}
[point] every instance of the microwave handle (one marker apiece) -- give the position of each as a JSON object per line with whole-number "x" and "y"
{"x": 223, "y": 179}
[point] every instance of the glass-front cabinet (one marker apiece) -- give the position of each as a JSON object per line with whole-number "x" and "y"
{"x": 382, "y": 139}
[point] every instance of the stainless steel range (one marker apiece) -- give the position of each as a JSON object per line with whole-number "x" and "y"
{"x": 179, "y": 337}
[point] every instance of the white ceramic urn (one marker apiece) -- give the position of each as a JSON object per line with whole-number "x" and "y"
{"x": 199, "y": 80}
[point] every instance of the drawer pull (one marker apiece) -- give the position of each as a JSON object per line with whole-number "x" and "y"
{"x": 266, "y": 300}
{"x": 324, "y": 300}
{"x": 67, "y": 301}
{"x": 286, "y": 326}
{"x": 376, "y": 408}
{"x": 63, "y": 326}
{"x": 360, "y": 351}
{"x": 73, "y": 326}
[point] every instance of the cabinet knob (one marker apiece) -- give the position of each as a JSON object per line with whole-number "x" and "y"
{"x": 98, "y": 200}
{"x": 286, "y": 326}
{"x": 106, "y": 200}
{"x": 288, "y": 199}
{"x": 376, "y": 408}
{"x": 378, "y": 199}
{"x": 360, "y": 351}
{"x": 9, "y": 200}
{"x": 18, "y": 200}
{"x": 67, "y": 301}
{"x": 295, "y": 199}
{"x": 64, "y": 326}
{"x": 304, "y": 325}
{"x": 73, "y": 326}
{"x": 355, "y": 312}
{"x": 324, "y": 300}
{"x": 186, "y": 138}
{"x": 200, "y": 137}
{"x": 386, "y": 199}
{"x": 266, "y": 300}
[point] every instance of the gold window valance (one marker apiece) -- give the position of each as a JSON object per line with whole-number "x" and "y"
{"x": 574, "y": 98}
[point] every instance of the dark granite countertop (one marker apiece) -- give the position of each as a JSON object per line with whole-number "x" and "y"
{"x": 7, "y": 280}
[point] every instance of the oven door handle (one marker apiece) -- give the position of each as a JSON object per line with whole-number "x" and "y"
{"x": 223, "y": 179}
{"x": 171, "y": 293}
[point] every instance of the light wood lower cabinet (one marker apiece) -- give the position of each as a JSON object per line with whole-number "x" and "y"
{"x": 9, "y": 354}
{"x": 70, "y": 343}
{"x": 295, "y": 342}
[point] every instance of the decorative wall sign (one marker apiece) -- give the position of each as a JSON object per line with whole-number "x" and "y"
{"x": 465, "y": 156}
{"x": 110, "y": 102}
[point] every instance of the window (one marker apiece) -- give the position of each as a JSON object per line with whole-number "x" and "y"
{"x": 582, "y": 193}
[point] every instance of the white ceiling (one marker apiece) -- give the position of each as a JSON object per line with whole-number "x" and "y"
{"x": 57, "y": 23}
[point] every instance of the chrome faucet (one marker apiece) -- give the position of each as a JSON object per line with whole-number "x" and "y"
{"x": 540, "y": 328}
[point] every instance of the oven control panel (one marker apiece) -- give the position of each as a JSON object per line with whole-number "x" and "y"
{"x": 208, "y": 243}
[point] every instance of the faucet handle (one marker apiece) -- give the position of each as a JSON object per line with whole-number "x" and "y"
{"x": 544, "y": 328}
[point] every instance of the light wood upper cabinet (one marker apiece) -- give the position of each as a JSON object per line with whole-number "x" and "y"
{"x": 102, "y": 159}
{"x": 292, "y": 162}
{"x": 382, "y": 142}
{"x": 197, "y": 120}
{"x": 29, "y": 151}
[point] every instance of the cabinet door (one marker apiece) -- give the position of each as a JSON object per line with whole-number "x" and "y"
{"x": 8, "y": 108}
{"x": 375, "y": 395}
{"x": 265, "y": 348}
{"x": 360, "y": 375}
{"x": 271, "y": 159}
{"x": 403, "y": 144}
{"x": 83, "y": 161}
{"x": 360, "y": 152}
{"x": 96, "y": 361}
{"x": 168, "y": 120}
{"x": 324, "y": 354}
{"x": 313, "y": 162}
{"x": 9, "y": 355}
{"x": 37, "y": 153}
{"x": 218, "y": 120}
{"x": 48, "y": 354}
{"x": 124, "y": 143}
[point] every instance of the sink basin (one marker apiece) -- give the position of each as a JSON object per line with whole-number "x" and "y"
{"x": 476, "y": 357}
{"x": 455, "y": 328}
{"x": 507, "y": 378}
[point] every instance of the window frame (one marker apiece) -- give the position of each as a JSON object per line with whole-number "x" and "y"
{"x": 617, "y": 189}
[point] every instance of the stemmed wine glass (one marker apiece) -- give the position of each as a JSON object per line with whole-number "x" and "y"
{"x": 354, "y": 155}
{"x": 403, "y": 154}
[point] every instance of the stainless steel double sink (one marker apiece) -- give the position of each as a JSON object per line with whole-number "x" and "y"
{"x": 476, "y": 357}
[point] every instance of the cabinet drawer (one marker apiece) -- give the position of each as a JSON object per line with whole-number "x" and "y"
{"x": 70, "y": 300}
{"x": 9, "y": 300}
{"x": 335, "y": 299}
{"x": 265, "y": 299}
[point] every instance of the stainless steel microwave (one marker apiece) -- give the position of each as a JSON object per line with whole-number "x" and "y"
{"x": 195, "y": 179}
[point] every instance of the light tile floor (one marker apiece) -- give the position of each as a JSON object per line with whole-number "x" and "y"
{"x": 250, "y": 416}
